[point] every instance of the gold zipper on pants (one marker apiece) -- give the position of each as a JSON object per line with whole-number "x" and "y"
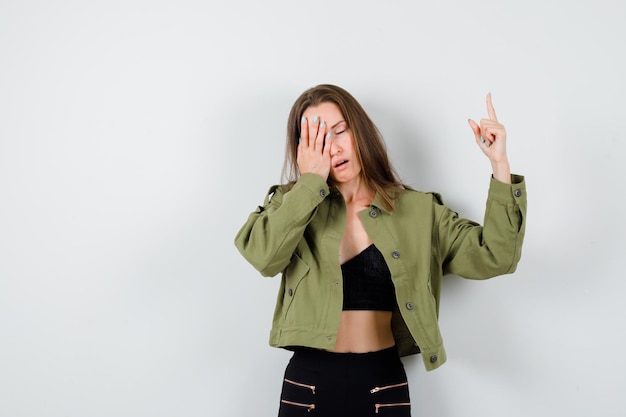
{"x": 311, "y": 387}
{"x": 308, "y": 406}
{"x": 379, "y": 406}
{"x": 376, "y": 389}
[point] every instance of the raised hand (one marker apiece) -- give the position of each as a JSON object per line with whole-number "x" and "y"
{"x": 490, "y": 137}
{"x": 314, "y": 147}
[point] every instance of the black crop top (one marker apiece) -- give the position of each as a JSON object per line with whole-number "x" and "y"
{"x": 367, "y": 282}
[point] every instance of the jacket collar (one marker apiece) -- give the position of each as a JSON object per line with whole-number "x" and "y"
{"x": 379, "y": 203}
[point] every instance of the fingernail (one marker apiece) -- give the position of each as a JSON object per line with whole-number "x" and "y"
{"x": 482, "y": 140}
{"x": 322, "y": 125}
{"x": 328, "y": 135}
{"x": 303, "y": 120}
{"x": 314, "y": 119}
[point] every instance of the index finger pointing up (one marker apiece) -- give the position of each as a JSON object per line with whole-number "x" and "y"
{"x": 490, "y": 109}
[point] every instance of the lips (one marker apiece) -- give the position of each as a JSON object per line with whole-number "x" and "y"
{"x": 341, "y": 163}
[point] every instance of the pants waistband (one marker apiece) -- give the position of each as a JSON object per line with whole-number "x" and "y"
{"x": 355, "y": 364}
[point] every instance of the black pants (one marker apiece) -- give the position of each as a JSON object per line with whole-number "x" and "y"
{"x": 326, "y": 384}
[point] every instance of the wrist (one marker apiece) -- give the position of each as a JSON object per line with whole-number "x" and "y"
{"x": 501, "y": 171}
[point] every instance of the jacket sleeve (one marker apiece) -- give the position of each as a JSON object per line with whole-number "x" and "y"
{"x": 479, "y": 252}
{"x": 270, "y": 235}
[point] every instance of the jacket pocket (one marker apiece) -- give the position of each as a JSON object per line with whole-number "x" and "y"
{"x": 293, "y": 276}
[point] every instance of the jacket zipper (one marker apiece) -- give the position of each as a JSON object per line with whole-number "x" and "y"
{"x": 311, "y": 387}
{"x": 376, "y": 389}
{"x": 308, "y": 406}
{"x": 379, "y": 406}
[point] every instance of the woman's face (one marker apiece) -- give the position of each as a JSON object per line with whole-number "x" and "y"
{"x": 344, "y": 163}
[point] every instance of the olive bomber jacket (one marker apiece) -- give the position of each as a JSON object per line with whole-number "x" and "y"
{"x": 298, "y": 230}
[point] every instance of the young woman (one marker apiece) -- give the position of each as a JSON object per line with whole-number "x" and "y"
{"x": 362, "y": 257}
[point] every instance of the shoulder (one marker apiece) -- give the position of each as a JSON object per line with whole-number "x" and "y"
{"x": 409, "y": 194}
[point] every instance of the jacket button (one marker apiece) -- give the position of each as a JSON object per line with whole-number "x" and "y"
{"x": 433, "y": 359}
{"x": 409, "y": 305}
{"x": 395, "y": 254}
{"x": 373, "y": 213}
{"x": 323, "y": 193}
{"x": 290, "y": 292}
{"x": 517, "y": 193}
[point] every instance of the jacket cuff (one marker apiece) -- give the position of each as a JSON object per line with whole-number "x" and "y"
{"x": 315, "y": 184}
{"x": 514, "y": 192}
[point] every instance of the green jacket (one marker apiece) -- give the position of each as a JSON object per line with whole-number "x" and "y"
{"x": 297, "y": 232}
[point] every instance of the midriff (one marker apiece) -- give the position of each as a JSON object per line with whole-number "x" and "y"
{"x": 362, "y": 331}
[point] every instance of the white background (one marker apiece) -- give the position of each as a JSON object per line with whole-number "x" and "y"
{"x": 136, "y": 136}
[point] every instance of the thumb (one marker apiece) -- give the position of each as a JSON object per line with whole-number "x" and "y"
{"x": 475, "y": 128}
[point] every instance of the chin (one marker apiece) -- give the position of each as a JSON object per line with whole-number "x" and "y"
{"x": 342, "y": 179}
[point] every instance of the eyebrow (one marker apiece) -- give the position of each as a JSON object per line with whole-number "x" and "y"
{"x": 337, "y": 124}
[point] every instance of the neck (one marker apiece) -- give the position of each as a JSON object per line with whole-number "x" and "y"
{"x": 356, "y": 191}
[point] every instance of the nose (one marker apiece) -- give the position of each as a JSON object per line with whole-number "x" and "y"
{"x": 335, "y": 149}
